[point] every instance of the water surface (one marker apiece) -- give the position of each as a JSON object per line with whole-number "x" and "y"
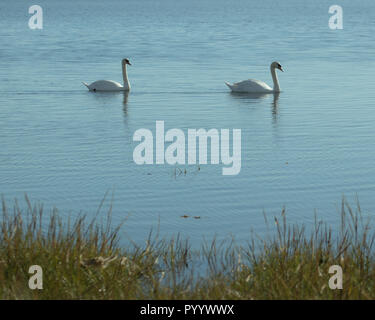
{"x": 303, "y": 150}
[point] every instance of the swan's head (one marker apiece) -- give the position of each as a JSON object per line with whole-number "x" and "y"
{"x": 276, "y": 65}
{"x": 126, "y": 61}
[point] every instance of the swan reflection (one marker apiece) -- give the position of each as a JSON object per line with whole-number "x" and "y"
{"x": 257, "y": 97}
{"x": 126, "y": 97}
{"x": 249, "y": 96}
{"x": 275, "y": 106}
{"x": 125, "y": 103}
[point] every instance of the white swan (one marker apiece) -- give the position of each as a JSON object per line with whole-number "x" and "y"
{"x": 257, "y": 86}
{"x": 109, "y": 85}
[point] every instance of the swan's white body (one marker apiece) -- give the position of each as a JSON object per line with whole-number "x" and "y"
{"x": 110, "y": 85}
{"x": 257, "y": 86}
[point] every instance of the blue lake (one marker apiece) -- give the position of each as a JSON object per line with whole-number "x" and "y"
{"x": 304, "y": 149}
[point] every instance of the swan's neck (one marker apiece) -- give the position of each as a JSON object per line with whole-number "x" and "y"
{"x": 125, "y": 77}
{"x": 276, "y": 86}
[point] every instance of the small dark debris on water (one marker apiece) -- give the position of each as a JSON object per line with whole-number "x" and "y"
{"x": 197, "y": 217}
{"x": 185, "y": 216}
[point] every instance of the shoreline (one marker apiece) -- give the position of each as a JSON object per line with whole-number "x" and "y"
{"x": 82, "y": 259}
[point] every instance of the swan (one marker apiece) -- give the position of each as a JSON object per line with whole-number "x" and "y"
{"x": 257, "y": 86}
{"x": 109, "y": 85}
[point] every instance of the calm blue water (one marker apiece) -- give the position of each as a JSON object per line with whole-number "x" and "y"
{"x": 66, "y": 147}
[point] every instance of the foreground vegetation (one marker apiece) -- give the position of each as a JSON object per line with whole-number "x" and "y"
{"x": 82, "y": 260}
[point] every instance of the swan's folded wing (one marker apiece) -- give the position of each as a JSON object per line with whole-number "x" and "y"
{"x": 251, "y": 85}
{"x": 105, "y": 85}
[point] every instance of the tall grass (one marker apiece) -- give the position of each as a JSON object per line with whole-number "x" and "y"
{"x": 82, "y": 259}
